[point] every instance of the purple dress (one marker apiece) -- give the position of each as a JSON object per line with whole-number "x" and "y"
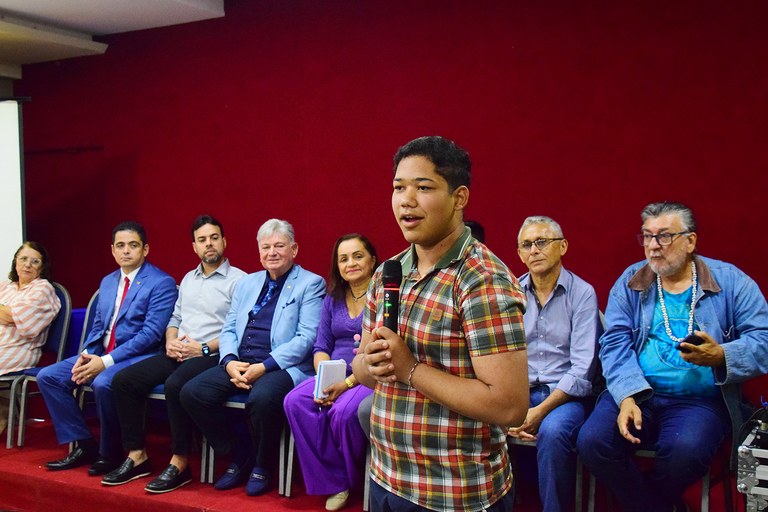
{"x": 329, "y": 441}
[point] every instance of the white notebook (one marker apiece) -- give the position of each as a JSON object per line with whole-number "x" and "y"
{"x": 329, "y": 372}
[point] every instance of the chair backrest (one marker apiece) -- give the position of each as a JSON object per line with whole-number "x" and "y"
{"x": 59, "y": 328}
{"x": 90, "y": 312}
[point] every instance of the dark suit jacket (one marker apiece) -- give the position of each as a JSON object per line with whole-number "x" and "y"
{"x": 142, "y": 318}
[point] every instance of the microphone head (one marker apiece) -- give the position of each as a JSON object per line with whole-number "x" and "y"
{"x": 392, "y": 274}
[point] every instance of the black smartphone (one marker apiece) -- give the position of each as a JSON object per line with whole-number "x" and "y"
{"x": 693, "y": 340}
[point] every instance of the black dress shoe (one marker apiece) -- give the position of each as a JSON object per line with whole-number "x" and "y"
{"x": 76, "y": 458}
{"x": 127, "y": 471}
{"x": 103, "y": 466}
{"x": 170, "y": 479}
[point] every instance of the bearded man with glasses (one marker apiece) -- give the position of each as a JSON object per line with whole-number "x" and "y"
{"x": 683, "y": 331}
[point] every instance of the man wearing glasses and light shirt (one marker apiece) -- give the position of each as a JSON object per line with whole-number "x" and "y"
{"x": 667, "y": 391}
{"x": 562, "y": 325}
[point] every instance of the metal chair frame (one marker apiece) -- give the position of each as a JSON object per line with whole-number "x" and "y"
{"x": 19, "y": 381}
{"x": 706, "y": 482}
{"x": 285, "y": 471}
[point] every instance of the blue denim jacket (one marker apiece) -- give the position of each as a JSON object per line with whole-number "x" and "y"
{"x": 729, "y": 307}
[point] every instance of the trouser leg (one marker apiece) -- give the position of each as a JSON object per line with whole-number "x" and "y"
{"x": 266, "y": 416}
{"x": 130, "y": 388}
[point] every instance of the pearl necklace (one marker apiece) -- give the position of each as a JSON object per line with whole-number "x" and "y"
{"x": 694, "y": 282}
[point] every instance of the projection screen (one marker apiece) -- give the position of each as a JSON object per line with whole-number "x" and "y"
{"x": 11, "y": 183}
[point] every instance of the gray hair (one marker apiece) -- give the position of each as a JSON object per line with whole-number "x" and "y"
{"x": 276, "y": 226}
{"x": 654, "y": 210}
{"x": 541, "y": 219}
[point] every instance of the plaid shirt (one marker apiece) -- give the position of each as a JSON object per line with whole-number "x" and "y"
{"x": 468, "y": 305}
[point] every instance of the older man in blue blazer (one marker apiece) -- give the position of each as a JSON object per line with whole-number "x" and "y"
{"x": 133, "y": 309}
{"x": 265, "y": 350}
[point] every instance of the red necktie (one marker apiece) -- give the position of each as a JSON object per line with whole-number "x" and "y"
{"x": 112, "y": 341}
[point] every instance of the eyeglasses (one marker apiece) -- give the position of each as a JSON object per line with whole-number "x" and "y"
{"x": 663, "y": 239}
{"x": 540, "y": 243}
{"x": 32, "y": 261}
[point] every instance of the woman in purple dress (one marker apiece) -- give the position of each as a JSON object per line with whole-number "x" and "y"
{"x": 330, "y": 443}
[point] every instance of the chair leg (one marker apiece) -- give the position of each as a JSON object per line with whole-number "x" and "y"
{"x": 367, "y": 483}
{"x": 287, "y": 449}
{"x": 211, "y": 463}
{"x": 705, "y": 492}
{"x": 289, "y": 469}
{"x": 12, "y": 413}
{"x": 578, "y": 499}
{"x": 10, "y": 419}
{"x": 281, "y": 470}
{"x": 204, "y": 460}
{"x": 23, "y": 412}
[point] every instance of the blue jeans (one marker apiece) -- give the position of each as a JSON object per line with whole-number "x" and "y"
{"x": 556, "y": 450}
{"x": 684, "y": 432}
{"x": 384, "y": 501}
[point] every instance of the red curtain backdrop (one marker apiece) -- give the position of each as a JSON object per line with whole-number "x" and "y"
{"x": 584, "y": 111}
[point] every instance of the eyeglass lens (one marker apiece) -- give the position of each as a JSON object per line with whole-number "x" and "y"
{"x": 32, "y": 261}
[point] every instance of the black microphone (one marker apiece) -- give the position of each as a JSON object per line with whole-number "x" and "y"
{"x": 391, "y": 277}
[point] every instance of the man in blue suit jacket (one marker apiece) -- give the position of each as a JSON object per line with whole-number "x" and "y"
{"x": 265, "y": 349}
{"x": 133, "y": 309}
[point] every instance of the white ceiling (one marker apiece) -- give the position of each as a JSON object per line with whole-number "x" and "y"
{"x": 43, "y": 30}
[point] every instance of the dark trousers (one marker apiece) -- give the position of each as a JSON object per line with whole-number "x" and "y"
{"x": 384, "y": 501}
{"x": 131, "y": 386}
{"x": 204, "y": 395}
{"x": 685, "y": 432}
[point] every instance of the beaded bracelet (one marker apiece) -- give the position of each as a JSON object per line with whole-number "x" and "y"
{"x": 410, "y": 374}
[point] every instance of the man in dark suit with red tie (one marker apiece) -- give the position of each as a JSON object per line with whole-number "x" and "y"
{"x": 133, "y": 309}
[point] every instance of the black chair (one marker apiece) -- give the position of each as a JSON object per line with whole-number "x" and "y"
{"x": 55, "y": 344}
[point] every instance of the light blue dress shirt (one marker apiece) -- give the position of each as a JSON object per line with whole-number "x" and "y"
{"x": 562, "y": 335}
{"x": 204, "y": 301}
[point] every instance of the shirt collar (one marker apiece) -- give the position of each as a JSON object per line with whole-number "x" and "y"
{"x": 454, "y": 253}
{"x": 646, "y": 277}
{"x": 563, "y": 280}
{"x": 280, "y": 280}
{"x": 222, "y": 270}
{"x": 130, "y": 276}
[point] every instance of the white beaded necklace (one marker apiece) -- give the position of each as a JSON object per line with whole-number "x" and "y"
{"x": 664, "y": 307}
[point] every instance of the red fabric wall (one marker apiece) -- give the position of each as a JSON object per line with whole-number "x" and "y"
{"x": 584, "y": 111}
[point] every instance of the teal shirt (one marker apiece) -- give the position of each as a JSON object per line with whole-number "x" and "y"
{"x": 666, "y": 371}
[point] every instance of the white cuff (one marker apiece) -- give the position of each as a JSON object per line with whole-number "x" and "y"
{"x": 107, "y": 360}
